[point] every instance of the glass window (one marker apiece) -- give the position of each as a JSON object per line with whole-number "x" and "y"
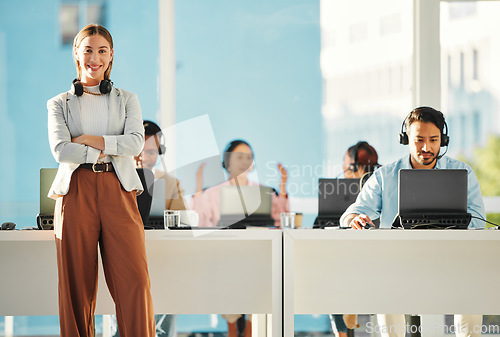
{"x": 254, "y": 69}
{"x": 390, "y": 24}
{"x": 477, "y": 128}
{"x": 358, "y": 32}
{"x": 69, "y": 22}
{"x": 475, "y": 64}
{"x": 360, "y": 78}
{"x": 76, "y": 14}
{"x": 449, "y": 72}
{"x": 479, "y": 90}
{"x": 462, "y": 69}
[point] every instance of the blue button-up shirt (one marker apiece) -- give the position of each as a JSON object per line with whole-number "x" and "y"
{"x": 379, "y": 196}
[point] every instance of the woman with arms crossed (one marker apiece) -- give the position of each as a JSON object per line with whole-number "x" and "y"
{"x": 94, "y": 132}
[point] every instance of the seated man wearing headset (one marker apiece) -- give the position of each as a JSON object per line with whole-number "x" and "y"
{"x": 425, "y": 136}
{"x": 153, "y": 149}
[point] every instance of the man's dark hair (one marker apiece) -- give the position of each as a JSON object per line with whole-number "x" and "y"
{"x": 151, "y": 128}
{"x": 426, "y": 114}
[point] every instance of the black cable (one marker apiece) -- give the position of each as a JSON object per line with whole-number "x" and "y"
{"x": 433, "y": 226}
{"x": 491, "y": 223}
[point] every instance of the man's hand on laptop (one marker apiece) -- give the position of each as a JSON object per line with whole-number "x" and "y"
{"x": 359, "y": 221}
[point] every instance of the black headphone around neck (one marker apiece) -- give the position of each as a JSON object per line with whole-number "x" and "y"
{"x": 438, "y": 115}
{"x": 105, "y": 87}
{"x": 152, "y": 129}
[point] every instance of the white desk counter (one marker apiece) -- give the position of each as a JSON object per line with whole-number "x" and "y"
{"x": 192, "y": 272}
{"x": 238, "y": 271}
{"x": 390, "y": 271}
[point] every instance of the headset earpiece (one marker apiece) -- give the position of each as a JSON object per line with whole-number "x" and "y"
{"x": 162, "y": 149}
{"x": 77, "y": 87}
{"x": 445, "y": 139}
{"x": 403, "y": 138}
{"x": 105, "y": 86}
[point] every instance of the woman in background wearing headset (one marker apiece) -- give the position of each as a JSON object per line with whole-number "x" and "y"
{"x": 94, "y": 132}
{"x": 238, "y": 162}
{"x": 359, "y": 160}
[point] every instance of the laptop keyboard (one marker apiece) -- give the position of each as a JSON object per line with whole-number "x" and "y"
{"x": 322, "y": 223}
{"x": 432, "y": 221}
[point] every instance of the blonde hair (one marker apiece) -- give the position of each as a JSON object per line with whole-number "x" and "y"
{"x": 89, "y": 30}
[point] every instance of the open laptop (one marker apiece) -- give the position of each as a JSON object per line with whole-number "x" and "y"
{"x": 45, "y": 219}
{"x": 157, "y": 205}
{"x": 246, "y": 206}
{"x": 334, "y": 196}
{"x": 144, "y": 199}
{"x": 432, "y": 199}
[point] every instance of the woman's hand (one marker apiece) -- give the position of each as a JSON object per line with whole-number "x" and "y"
{"x": 284, "y": 177}
{"x": 199, "y": 179}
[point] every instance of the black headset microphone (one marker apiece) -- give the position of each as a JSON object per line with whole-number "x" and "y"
{"x": 105, "y": 87}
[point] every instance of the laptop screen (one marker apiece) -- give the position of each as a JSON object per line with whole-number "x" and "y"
{"x": 238, "y": 200}
{"x": 335, "y": 195}
{"x": 159, "y": 196}
{"x": 47, "y": 204}
{"x": 432, "y": 191}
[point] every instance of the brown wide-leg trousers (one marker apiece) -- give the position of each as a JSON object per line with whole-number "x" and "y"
{"x": 97, "y": 210}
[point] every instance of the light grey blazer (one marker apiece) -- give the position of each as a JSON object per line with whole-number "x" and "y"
{"x": 124, "y": 139}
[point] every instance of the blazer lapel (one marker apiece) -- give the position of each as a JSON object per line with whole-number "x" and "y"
{"x": 114, "y": 112}
{"x": 74, "y": 112}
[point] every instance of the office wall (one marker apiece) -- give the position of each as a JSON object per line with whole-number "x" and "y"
{"x": 253, "y": 67}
